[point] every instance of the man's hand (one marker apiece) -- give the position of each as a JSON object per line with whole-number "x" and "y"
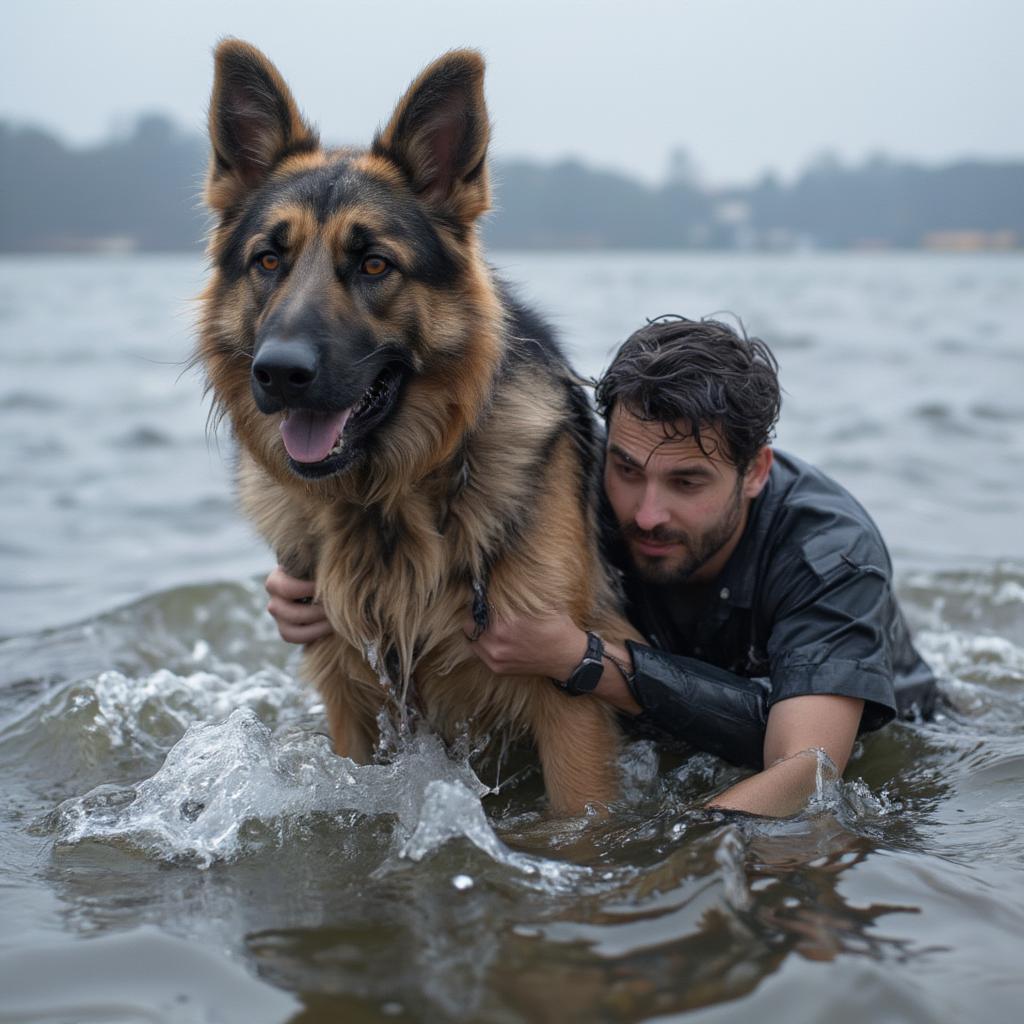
{"x": 299, "y": 619}
{"x": 552, "y": 645}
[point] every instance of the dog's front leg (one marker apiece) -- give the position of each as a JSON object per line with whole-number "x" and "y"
{"x": 578, "y": 744}
{"x": 350, "y": 739}
{"x": 351, "y": 725}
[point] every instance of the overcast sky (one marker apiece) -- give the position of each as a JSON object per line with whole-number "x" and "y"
{"x": 743, "y": 85}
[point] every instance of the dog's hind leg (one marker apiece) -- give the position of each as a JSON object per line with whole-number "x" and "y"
{"x": 578, "y": 744}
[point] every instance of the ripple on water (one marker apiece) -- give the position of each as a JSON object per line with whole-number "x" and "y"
{"x": 141, "y": 975}
{"x": 999, "y": 413}
{"x": 978, "y": 604}
{"x": 29, "y": 401}
{"x": 142, "y": 437}
{"x": 400, "y": 884}
{"x": 982, "y": 675}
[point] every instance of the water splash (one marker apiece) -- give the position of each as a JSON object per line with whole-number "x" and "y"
{"x": 230, "y": 789}
{"x": 730, "y": 855}
{"x": 116, "y": 720}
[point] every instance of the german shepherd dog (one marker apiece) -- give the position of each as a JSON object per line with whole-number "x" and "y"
{"x": 409, "y": 435}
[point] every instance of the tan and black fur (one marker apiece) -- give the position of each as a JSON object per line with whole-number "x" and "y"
{"x": 482, "y": 469}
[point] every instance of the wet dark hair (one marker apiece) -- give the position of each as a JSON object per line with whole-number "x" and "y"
{"x": 689, "y": 374}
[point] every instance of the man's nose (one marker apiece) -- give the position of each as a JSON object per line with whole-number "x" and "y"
{"x": 651, "y": 512}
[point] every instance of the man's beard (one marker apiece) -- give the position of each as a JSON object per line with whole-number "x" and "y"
{"x": 698, "y": 551}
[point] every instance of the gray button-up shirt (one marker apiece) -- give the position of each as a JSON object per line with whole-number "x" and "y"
{"x": 805, "y": 605}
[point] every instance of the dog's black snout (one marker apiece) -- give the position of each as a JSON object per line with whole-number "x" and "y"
{"x": 285, "y": 369}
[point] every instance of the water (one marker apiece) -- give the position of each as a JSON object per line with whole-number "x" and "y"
{"x": 179, "y": 844}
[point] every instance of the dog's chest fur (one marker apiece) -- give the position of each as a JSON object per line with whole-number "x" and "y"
{"x": 396, "y": 578}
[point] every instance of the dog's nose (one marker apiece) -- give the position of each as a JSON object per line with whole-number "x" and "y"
{"x": 285, "y": 369}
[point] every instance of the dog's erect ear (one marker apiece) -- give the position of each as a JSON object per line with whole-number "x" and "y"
{"x": 253, "y": 123}
{"x": 438, "y": 136}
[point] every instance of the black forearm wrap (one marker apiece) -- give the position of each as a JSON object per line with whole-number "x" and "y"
{"x": 705, "y": 706}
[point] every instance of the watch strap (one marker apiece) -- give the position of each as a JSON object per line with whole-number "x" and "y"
{"x": 587, "y": 674}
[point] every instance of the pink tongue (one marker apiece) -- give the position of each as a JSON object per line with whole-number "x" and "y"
{"x": 309, "y": 436}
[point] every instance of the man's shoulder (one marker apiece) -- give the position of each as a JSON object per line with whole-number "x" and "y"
{"x": 814, "y": 520}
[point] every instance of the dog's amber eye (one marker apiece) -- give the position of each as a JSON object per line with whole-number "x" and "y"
{"x": 374, "y": 266}
{"x": 268, "y": 261}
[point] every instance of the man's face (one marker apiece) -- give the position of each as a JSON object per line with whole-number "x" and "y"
{"x": 681, "y": 512}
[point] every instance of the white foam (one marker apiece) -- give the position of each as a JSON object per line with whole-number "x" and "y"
{"x": 951, "y": 652}
{"x": 1009, "y": 592}
{"x": 980, "y": 675}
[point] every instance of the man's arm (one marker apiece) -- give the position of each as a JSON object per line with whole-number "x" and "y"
{"x": 796, "y": 728}
{"x": 690, "y": 700}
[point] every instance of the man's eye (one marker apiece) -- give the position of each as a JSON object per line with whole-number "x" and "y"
{"x": 629, "y": 472}
{"x": 374, "y": 266}
{"x": 268, "y": 261}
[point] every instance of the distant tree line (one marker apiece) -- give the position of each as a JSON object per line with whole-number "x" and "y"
{"x": 143, "y": 192}
{"x": 144, "y": 188}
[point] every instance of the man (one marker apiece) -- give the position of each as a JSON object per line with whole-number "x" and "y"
{"x": 763, "y": 588}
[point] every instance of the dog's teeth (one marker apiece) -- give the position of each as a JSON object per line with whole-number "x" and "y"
{"x": 371, "y": 398}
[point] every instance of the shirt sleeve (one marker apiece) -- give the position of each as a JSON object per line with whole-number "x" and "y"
{"x": 831, "y": 631}
{"x": 831, "y": 616}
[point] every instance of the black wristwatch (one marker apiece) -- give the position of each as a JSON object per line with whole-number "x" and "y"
{"x": 587, "y": 674}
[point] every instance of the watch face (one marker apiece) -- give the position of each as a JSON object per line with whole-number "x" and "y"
{"x": 586, "y": 677}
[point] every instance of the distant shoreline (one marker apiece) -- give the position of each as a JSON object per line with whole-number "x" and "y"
{"x": 197, "y": 253}
{"x": 141, "y": 193}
